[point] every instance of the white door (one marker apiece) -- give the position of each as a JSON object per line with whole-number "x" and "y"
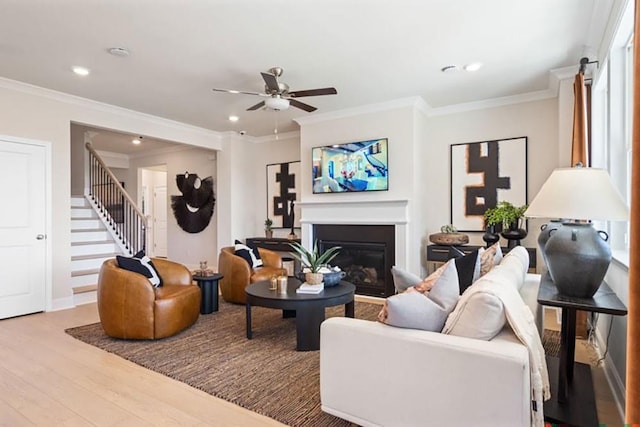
{"x": 22, "y": 228}
{"x": 160, "y": 220}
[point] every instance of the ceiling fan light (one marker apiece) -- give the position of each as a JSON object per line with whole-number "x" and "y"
{"x": 276, "y": 103}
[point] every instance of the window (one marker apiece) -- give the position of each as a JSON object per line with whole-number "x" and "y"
{"x": 612, "y": 126}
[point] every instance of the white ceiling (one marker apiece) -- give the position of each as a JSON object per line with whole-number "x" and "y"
{"x": 370, "y": 50}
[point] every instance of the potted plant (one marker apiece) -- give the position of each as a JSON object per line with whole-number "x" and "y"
{"x": 509, "y": 218}
{"x": 313, "y": 260}
{"x": 268, "y": 231}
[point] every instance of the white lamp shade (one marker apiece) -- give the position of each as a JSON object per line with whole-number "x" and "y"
{"x": 277, "y": 103}
{"x": 579, "y": 193}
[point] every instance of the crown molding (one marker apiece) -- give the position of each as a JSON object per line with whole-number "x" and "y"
{"x": 101, "y": 106}
{"x": 493, "y": 102}
{"x": 413, "y": 101}
{"x": 168, "y": 150}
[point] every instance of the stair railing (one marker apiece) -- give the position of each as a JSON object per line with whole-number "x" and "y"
{"x": 118, "y": 210}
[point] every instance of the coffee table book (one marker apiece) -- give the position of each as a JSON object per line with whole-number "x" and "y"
{"x": 306, "y": 288}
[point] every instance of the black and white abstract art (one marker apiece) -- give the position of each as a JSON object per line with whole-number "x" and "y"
{"x": 483, "y": 174}
{"x": 283, "y": 188}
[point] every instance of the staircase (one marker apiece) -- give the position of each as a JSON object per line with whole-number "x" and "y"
{"x": 91, "y": 245}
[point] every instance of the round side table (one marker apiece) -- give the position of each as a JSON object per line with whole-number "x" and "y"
{"x": 209, "y": 292}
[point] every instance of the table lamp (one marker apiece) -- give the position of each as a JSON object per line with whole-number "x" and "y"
{"x": 577, "y": 254}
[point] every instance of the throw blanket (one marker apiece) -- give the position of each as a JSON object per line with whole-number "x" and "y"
{"x": 523, "y": 325}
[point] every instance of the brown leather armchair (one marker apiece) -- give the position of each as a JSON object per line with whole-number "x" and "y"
{"x": 238, "y": 274}
{"x": 131, "y": 308}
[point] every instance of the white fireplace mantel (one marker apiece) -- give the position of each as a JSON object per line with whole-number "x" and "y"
{"x": 364, "y": 212}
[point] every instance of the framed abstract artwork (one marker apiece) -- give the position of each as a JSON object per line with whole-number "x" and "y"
{"x": 282, "y": 194}
{"x": 483, "y": 174}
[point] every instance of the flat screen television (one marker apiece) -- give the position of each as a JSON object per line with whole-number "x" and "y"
{"x": 351, "y": 167}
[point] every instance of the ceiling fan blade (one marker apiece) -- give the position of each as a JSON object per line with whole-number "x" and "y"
{"x": 301, "y": 105}
{"x": 257, "y": 106}
{"x": 239, "y": 91}
{"x": 271, "y": 82}
{"x": 314, "y": 92}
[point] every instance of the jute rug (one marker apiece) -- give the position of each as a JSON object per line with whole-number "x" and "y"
{"x": 265, "y": 375}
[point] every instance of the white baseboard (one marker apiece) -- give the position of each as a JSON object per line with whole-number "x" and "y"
{"x": 616, "y": 384}
{"x": 62, "y": 304}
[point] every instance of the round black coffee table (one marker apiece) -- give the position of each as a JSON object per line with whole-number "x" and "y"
{"x": 308, "y": 308}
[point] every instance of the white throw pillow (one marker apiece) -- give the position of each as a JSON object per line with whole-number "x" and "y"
{"x": 479, "y": 313}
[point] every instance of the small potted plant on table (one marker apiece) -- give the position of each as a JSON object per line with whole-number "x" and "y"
{"x": 313, "y": 261}
{"x": 268, "y": 231}
{"x": 509, "y": 217}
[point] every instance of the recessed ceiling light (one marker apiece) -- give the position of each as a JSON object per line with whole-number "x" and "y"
{"x": 449, "y": 69}
{"x": 81, "y": 71}
{"x": 234, "y": 118}
{"x": 474, "y": 66}
{"x": 136, "y": 141}
{"x": 119, "y": 51}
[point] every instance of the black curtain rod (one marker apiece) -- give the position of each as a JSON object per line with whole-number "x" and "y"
{"x": 584, "y": 62}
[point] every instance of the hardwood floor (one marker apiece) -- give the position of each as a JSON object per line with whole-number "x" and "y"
{"x": 48, "y": 378}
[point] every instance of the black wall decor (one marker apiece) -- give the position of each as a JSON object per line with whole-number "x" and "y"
{"x": 194, "y": 208}
{"x": 282, "y": 190}
{"x": 483, "y": 174}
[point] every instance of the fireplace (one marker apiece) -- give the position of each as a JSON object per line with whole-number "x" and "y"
{"x": 367, "y": 254}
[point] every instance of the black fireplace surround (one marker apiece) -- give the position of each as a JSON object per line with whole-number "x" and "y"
{"x": 367, "y": 254}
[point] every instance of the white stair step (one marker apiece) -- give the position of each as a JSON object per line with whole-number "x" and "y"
{"x": 83, "y": 213}
{"x": 94, "y": 248}
{"x": 85, "y": 297}
{"x": 85, "y": 224}
{"x": 89, "y": 236}
{"x": 78, "y": 201}
{"x": 88, "y": 262}
{"x": 85, "y": 279}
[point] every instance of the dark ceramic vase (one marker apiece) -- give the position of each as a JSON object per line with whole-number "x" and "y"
{"x": 545, "y": 232}
{"x": 491, "y": 236}
{"x": 514, "y": 234}
{"x": 578, "y": 256}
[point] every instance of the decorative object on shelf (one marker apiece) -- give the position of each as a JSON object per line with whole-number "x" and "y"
{"x": 313, "y": 261}
{"x": 478, "y": 171}
{"x": 578, "y": 255}
{"x": 509, "y": 218}
{"x": 491, "y": 236}
{"x": 268, "y": 231}
{"x": 194, "y": 208}
{"x": 292, "y": 213}
{"x": 449, "y": 236}
{"x": 282, "y": 189}
{"x": 545, "y": 233}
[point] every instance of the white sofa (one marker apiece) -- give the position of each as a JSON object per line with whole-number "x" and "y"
{"x": 373, "y": 374}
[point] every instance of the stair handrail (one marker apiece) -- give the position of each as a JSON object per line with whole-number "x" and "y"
{"x": 132, "y": 236}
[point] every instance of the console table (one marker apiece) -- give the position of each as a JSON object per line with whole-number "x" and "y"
{"x": 275, "y": 244}
{"x": 437, "y": 254}
{"x": 572, "y": 398}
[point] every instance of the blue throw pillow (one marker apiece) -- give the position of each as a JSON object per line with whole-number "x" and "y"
{"x": 141, "y": 264}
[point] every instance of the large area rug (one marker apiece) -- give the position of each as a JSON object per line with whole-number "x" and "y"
{"x": 265, "y": 375}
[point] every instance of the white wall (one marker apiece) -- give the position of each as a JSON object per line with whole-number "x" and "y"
{"x": 34, "y": 113}
{"x": 537, "y": 120}
{"x": 285, "y": 149}
{"x": 183, "y": 247}
{"x": 398, "y": 123}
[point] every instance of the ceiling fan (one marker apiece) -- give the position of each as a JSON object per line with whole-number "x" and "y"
{"x": 277, "y": 94}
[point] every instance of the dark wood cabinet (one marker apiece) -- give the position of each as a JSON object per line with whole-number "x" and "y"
{"x": 275, "y": 244}
{"x": 440, "y": 253}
